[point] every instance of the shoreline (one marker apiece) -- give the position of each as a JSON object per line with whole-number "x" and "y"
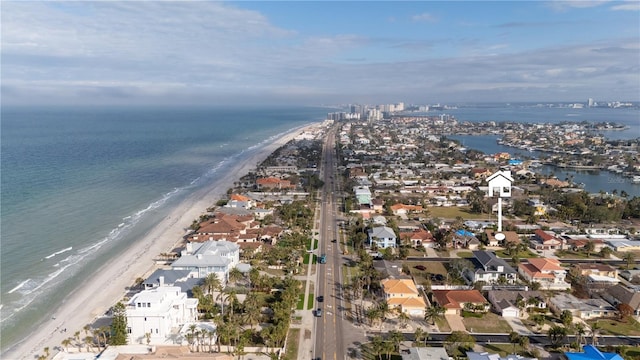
{"x": 111, "y": 280}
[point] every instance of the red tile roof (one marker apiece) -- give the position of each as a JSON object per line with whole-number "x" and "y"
{"x": 452, "y": 299}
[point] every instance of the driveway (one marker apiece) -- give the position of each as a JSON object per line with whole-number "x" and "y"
{"x": 517, "y": 326}
{"x": 455, "y": 322}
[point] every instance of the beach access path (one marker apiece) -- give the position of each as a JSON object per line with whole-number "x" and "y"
{"x": 108, "y": 285}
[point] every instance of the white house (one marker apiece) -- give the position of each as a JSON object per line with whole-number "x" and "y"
{"x": 159, "y": 312}
{"x": 202, "y": 259}
{"x": 500, "y": 184}
{"x": 383, "y": 236}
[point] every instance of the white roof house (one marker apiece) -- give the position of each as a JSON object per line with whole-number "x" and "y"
{"x": 382, "y": 236}
{"x": 159, "y": 312}
{"x": 202, "y": 259}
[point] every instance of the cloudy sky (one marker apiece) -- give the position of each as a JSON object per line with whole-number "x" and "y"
{"x": 328, "y": 52}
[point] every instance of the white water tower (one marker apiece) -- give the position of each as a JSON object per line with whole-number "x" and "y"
{"x": 500, "y": 185}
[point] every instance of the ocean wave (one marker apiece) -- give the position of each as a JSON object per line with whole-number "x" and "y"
{"x": 59, "y": 252}
{"x": 19, "y": 286}
{"x": 31, "y": 289}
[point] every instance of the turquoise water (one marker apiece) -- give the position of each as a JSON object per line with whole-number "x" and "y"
{"x": 80, "y": 184}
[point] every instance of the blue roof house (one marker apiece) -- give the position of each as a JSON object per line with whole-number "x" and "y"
{"x": 592, "y": 353}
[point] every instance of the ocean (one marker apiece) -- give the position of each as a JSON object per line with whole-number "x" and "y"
{"x": 80, "y": 184}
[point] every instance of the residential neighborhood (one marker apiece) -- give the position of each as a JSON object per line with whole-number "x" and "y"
{"x": 411, "y": 241}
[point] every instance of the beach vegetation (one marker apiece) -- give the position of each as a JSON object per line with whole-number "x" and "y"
{"x": 119, "y": 325}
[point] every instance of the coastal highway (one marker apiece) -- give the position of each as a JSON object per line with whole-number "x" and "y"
{"x": 329, "y": 326}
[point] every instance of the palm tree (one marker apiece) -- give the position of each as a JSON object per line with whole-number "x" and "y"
{"x": 595, "y": 332}
{"x": 514, "y": 338}
{"x": 524, "y": 343}
{"x": 396, "y": 338}
{"x": 385, "y": 310}
{"x": 66, "y": 342}
{"x": 580, "y": 331}
{"x": 89, "y": 341}
{"x": 403, "y": 319}
{"x": 212, "y": 283}
{"x": 235, "y": 275}
{"x": 420, "y": 335}
{"x": 432, "y": 313}
{"x": 629, "y": 257}
{"x": 557, "y": 334}
{"x": 192, "y": 335}
{"x": 372, "y": 314}
{"x": 377, "y": 346}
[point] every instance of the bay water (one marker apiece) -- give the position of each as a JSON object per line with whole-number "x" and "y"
{"x": 594, "y": 181}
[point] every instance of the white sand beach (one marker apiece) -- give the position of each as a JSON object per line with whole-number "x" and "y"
{"x": 109, "y": 284}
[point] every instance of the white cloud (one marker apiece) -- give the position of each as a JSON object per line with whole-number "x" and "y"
{"x": 211, "y": 51}
{"x": 424, "y": 17}
{"x": 626, "y": 6}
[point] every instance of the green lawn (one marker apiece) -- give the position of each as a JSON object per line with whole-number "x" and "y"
{"x": 465, "y": 254}
{"x": 502, "y": 349}
{"x": 442, "y": 324}
{"x": 453, "y": 211}
{"x": 616, "y": 327}
{"x": 310, "y": 301}
{"x": 300, "y": 304}
{"x": 431, "y": 267}
{"x": 568, "y": 254}
{"x": 293, "y": 338}
{"x": 489, "y": 323}
{"x": 521, "y": 254}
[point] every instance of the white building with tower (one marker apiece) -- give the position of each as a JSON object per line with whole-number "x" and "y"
{"x": 500, "y": 185}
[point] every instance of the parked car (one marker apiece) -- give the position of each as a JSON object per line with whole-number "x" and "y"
{"x": 318, "y": 312}
{"x": 320, "y": 298}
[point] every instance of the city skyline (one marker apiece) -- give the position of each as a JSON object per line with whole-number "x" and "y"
{"x": 312, "y": 53}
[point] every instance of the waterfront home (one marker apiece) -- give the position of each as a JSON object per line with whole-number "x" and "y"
{"x": 547, "y": 272}
{"x": 159, "y": 312}
{"x": 584, "y": 309}
{"x": 170, "y": 277}
{"x": 403, "y": 294}
{"x": 272, "y": 183}
{"x": 490, "y": 269}
{"x": 382, "y": 237}
{"x": 211, "y": 257}
{"x": 546, "y": 240}
{"x": 510, "y": 303}
{"x": 223, "y": 226}
{"x": 240, "y": 201}
{"x": 454, "y": 301}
